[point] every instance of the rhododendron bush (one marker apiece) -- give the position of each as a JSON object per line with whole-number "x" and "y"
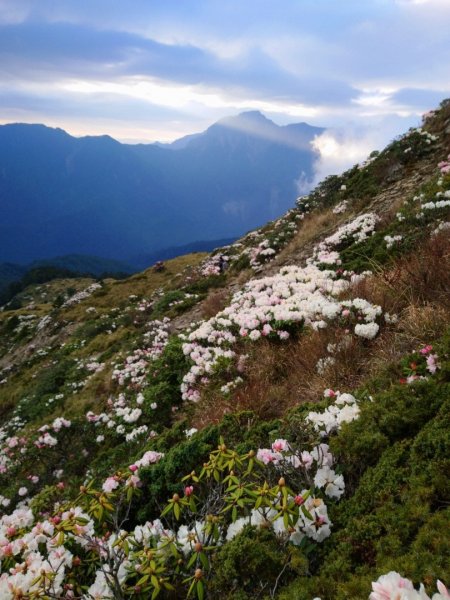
{"x": 279, "y": 488}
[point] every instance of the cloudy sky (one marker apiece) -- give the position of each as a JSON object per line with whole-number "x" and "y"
{"x": 145, "y": 70}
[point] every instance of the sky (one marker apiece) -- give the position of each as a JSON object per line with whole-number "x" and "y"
{"x": 147, "y": 70}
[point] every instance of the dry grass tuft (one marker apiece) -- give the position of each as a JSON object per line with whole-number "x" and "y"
{"x": 214, "y": 303}
{"x": 420, "y": 324}
{"x": 313, "y": 227}
{"x": 419, "y": 278}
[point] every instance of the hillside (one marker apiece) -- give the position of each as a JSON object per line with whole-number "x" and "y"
{"x": 277, "y": 429}
{"x": 61, "y": 195}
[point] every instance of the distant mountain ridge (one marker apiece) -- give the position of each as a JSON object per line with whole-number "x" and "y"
{"x": 63, "y": 195}
{"x": 96, "y": 266}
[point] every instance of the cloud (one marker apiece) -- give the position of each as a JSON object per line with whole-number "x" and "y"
{"x": 339, "y": 149}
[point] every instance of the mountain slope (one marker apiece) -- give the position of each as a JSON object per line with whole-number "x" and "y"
{"x": 277, "y": 429}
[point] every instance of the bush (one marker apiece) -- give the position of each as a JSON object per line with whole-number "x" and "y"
{"x": 165, "y": 377}
{"x": 394, "y": 458}
{"x": 250, "y": 565}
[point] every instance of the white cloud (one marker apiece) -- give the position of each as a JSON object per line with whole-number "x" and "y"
{"x": 340, "y": 149}
{"x": 173, "y": 95}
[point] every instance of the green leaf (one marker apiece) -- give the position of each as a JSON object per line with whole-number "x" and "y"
{"x": 191, "y": 588}
{"x": 155, "y": 593}
{"x": 167, "y": 510}
{"x": 192, "y": 560}
{"x": 168, "y": 586}
{"x": 200, "y": 590}
{"x": 129, "y": 493}
{"x": 306, "y": 512}
{"x": 176, "y": 510}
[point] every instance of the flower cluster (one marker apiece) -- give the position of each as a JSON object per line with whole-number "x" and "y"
{"x": 356, "y": 231}
{"x": 211, "y": 266}
{"x": 343, "y": 410}
{"x": 133, "y": 372}
{"x": 261, "y": 253}
{"x": 266, "y": 308}
{"x": 444, "y": 166}
{"x": 393, "y": 585}
{"x": 82, "y": 295}
{"x": 121, "y": 417}
{"x": 392, "y": 240}
{"x": 420, "y": 365}
{"x": 341, "y": 207}
{"x": 37, "y": 560}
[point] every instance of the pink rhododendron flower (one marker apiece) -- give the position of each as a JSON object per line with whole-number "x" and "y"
{"x": 426, "y": 349}
{"x": 280, "y": 445}
{"x": 307, "y": 459}
{"x": 134, "y": 481}
{"x": 443, "y": 591}
{"x": 267, "y": 456}
{"x": 432, "y": 364}
{"x": 388, "y": 586}
{"x": 110, "y": 484}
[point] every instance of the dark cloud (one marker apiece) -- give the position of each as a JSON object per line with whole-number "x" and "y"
{"x": 80, "y": 50}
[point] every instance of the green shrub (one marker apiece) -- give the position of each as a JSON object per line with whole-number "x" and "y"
{"x": 250, "y": 565}
{"x": 164, "y": 380}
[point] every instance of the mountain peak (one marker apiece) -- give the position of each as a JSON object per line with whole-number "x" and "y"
{"x": 252, "y": 114}
{"x": 249, "y": 118}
